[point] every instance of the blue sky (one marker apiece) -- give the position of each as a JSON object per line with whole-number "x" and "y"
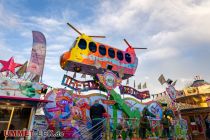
{"x": 176, "y": 34}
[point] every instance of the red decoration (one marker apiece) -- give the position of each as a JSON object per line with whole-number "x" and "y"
{"x": 9, "y": 66}
{"x": 108, "y": 102}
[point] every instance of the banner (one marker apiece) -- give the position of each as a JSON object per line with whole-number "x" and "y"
{"x": 36, "y": 64}
{"x": 138, "y": 94}
{"x": 79, "y": 85}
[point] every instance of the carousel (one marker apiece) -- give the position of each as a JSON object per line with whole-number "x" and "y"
{"x": 192, "y": 105}
{"x": 196, "y": 95}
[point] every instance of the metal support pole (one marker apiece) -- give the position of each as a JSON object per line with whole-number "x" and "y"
{"x": 10, "y": 119}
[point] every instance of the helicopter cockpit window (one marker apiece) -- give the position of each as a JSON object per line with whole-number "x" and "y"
{"x": 111, "y": 53}
{"x": 82, "y": 44}
{"x": 92, "y": 47}
{"x": 120, "y": 55}
{"x": 128, "y": 57}
{"x": 102, "y": 50}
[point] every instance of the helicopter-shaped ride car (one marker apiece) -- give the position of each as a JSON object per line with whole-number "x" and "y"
{"x": 89, "y": 57}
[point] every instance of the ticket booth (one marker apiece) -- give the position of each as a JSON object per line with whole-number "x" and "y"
{"x": 19, "y": 100}
{"x": 17, "y": 113}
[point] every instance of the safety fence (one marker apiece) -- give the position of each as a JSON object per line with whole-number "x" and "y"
{"x": 129, "y": 128}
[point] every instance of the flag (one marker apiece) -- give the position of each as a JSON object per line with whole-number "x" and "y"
{"x": 22, "y": 70}
{"x": 127, "y": 82}
{"x": 169, "y": 81}
{"x": 35, "y": 79}
{"x": 38, "y": 53}
{"x": 134, "y": 84}
{"x": 164, "y": 92}
{"x": 83, "y": 75}
{"x": 174, "y": 83}
{"x": 75, "y": 75}
{"x": 139, "y": 86}
{"x": 145, "y": 85}
{"x": 161, "y": 79}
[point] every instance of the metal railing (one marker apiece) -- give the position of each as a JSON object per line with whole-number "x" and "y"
{"x": 87, "y": 133}
{"x": 125, "y": 128}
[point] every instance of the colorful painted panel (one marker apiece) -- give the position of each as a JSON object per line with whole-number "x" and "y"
{"x": 19, "y": 88}
{"x": 69, "y": 113}
{"x": 156, "y": 109}
{"x": 109, "y": 80}
{"x": 171, "y": 92}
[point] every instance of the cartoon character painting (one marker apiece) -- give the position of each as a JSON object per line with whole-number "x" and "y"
{"x": 66, "y": 113}
{"x": 84, "y": 106}
{"x": 59, "y": 113}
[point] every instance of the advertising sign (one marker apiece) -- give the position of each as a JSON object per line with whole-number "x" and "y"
{"x": 79, "y": 85}
{"x": 156, "y": 109}
{"x": 171, "y": 92}
{"x": 138, "y": 94}
{"x": 191, "y": 91}
{"x": 109, "y": 80}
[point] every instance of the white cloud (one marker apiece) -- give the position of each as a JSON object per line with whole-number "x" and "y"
{"x": 46, "y": 21}
{"x": 184, "y": 80}
{"x": 55, "y": 47}
{"x": 159, "y": 54}
{"x": 146, "y": 77}
{"x": 7, "y": 19}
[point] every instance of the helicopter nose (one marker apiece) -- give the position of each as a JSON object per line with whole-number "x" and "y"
{"x": 64, "y": 58}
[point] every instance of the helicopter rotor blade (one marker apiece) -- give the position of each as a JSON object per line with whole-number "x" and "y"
{"x": 74, "y": 28}
{"x": 131, "y": 46}
{"x": 97, "y": 36}
{"x": 127, "y": 43}
{"x": 139, "y": 48}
